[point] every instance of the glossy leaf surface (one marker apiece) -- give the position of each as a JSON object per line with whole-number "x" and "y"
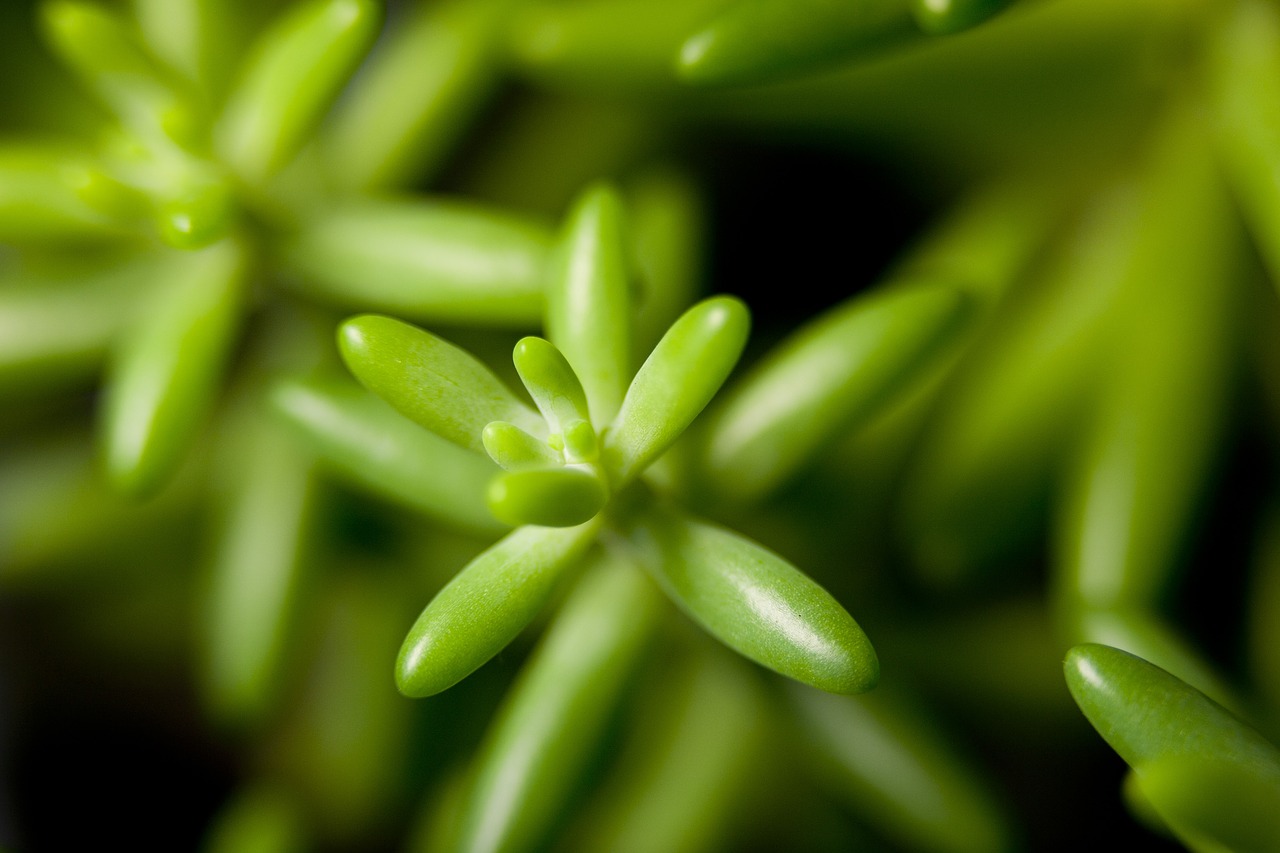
{"x": 430, "y": 381}
{"x": 551, "y": 382}
{"x": 675, "y": 383}
{"x": 485, "y": 606}
{"x": 943, "y": 17}
{"x": 553, "y": 718}
{"x": 1212, "y": 777}
{"x": 756, "y": 603}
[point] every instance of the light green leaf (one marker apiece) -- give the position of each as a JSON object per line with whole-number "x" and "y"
{"x": 165, "y": 374}
{"x": 755, "y": 602}
{"x": 943, "y": 17}
{"x": 416, "y": 95}
{"x": 486, "y": 605}
{"x": 680, "y": 377}
{"x": 552, "y": 720}
{"x": 423, "y": 260}
{"x": 588, "y": 314}
{"x": 297, "y": 68}
{"x": 430, "y": 381}
{"x": 513, "y": 448}
{"x": 368, "y": 443}
{"x": 552, "y": 497}
{"x": 831, "y": 376}
{"x": 551, "y": 382}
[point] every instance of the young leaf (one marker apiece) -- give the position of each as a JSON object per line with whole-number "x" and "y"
{"x": 297, "y": 68}
{"x": 680, "y": 377}
{"x": 513, "y": 448}
{"x": 551, "y": 497}
{"x": 588, "y": 299}
{"x": 1212, "y": 778}
{"x": 370, "y": 444}
{"x": 829, "y": 377}
{"x": 758, "y": 41}
{"x": 550, "y": 722}
{"x": 486, "y": 605}
{"x": 755, "y": 602}
{"x": 189, "y": 35}
{"x": 551, "y": 382}
{"x": 387, "y": 133}
{"x": 430, "y": 381}
{"x": 165, "y": 374}
{"x": 423, "y": 260}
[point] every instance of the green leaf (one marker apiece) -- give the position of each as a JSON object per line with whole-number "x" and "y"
{"x": 588, "y": 314}
{"x": 486, "y": 605}
{"x": 368, "y": 443}
{"x": 759, "y": 41}
{"x": 680, "y": 377}
{"x": 1245, "y": 77}
{"x": 261, "y": 818}
{"x": 513, "y": 448}
{"x": 43, "y": 195}
{"x": 430, "y": 381}
{"x": 882, "y": 756}
{"x": 551, "y": 382}
{"x": 165, "y": 374}
{"x": 669, "y": 232}
{"x": 423, "y": 260}
{"x": 829, "y": 377}
{"x": 249, "y": 605}
{"x": 1209, "y": 775}
{"x": 1146, "y": 457}
{"x": 297, "y": 68}
{"x": 189, "y": 35}
{"x": 606, "y": 46}
{"x": 99, "y": 46}
{"x": 415, "y": 96}
{"x": 552, "y": 497}
{"x": 54, "y": 333}
{"x": 551, "y": 721}
{"x": 944, "y": 17}
{"x": 755, "y": 602}
{"x": 690, "y": 761}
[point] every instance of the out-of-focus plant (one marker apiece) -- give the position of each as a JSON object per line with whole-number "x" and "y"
{"x": 1002, "y": 449}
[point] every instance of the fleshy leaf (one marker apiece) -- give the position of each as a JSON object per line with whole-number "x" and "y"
{"x": 552, "y": 497}
{"x": 430, "y": 381}
{"x": 297, "y": 68}
{"x": 672, "y": 387}
{"x": 762, "y": 40}
{"x": 551, "y": 382}
{"x": 1184, "y": 742}
{"x": 372, "y": 445}
{"x": 388, "y": 133}
{"x": 588, "y": 300}
{"x": 423, "y": 260}
{"x": 165, "y": 374}
{"x": 831, "y": 376}
{"x": 550, "y": 722}
{"x": 248, "y": 606}
{"x": 513, "y": 448}
{"x": 485, "y": 606}
{"x": 756, "y": 602}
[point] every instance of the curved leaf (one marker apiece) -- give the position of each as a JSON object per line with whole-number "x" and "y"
{"x": 430, "y": 381}
{"x": 485, "y": 606}
{"x": 551, "y": 497}
{"x": 755, "y": 602}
